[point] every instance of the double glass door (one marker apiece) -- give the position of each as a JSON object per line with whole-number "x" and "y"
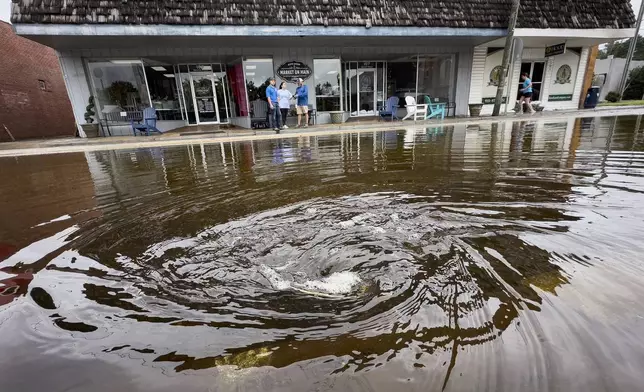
{"x": 204, "y": 92}
{"x": 367, "y": 91}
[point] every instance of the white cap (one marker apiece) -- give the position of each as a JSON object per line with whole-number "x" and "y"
{"x": 300, "y": 80}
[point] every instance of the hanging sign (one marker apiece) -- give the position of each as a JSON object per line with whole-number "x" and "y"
{"x": 293, "y": 70}
{"x": 554, "y": 50}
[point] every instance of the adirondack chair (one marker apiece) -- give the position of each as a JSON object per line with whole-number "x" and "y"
{"x": 391, "y": 109}
{"x": 435, "y": 109}
{"x": 149, "y": 122}
{"x": 418, "y": 111}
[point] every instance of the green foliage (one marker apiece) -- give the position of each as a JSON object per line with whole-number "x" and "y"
{"x": 612, "y": 96}
{"x": 635, "y": 84}
{"x": 117, "y": 92}
{"x": 620, "y": 49}
{"x": 255, "y": 93}
{"x": 89, "y": 110}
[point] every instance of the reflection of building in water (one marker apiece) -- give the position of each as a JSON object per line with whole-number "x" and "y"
{"x": 507, "y": 140}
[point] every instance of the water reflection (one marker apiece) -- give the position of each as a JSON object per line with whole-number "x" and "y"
{"x": 437, "y": 259}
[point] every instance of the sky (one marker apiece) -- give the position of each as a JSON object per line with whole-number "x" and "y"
{"x": 5, "y": 7}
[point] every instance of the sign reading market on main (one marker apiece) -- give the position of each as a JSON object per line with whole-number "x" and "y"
{"x": 293, "y": 70}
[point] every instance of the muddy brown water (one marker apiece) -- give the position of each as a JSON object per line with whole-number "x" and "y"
{"x": 503, "y": 257}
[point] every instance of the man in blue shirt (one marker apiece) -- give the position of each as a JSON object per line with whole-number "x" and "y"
{"x": 302, "y": 107}
{"x": 274, "y": 116}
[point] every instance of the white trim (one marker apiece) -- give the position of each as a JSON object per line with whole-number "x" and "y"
{"x": 237, "y": 31}
{"x": 607, "y": 34}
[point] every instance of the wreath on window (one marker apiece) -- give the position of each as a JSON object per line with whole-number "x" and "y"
{"x": 495, "y": 76}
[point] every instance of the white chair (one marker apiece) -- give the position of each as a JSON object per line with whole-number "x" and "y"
{"x": 413, "y": 109}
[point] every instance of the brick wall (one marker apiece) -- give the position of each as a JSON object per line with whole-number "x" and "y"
{"x": 33, "y": 99}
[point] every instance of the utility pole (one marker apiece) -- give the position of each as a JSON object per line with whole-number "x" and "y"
{"x": 514, "y": 12}
{"x": 631, "y": 52}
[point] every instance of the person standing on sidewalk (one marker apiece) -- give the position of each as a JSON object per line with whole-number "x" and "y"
{"x": 302, "y": 95}
{"x": 274, "y": 115}
{"x": 526, "y": 93}
{"x": 284, "y": 96}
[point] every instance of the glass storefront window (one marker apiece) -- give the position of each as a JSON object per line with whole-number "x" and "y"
{"x": 119, "y": 85}
{"x": 327, "y": 85}
{"x": 258, "y": 72}
{"x": 435, "y": 78}
{"x": 162, "y": 85}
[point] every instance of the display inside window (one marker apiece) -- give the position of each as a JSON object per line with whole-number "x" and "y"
{"x": 327, "y": 85}
{"x": 119, "y": 85}
{"x": 164, "y": 94}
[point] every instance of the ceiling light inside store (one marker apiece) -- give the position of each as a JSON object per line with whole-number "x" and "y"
{"x": 205, "y": 67}
{"x": 251, "y": 67}
{"x": 125, "y": 61}
{"x": 250, "y": 73}
{"x": 169, "y": 75}
{"x": 160, "y": 69}
{"x": 332, "y": 72}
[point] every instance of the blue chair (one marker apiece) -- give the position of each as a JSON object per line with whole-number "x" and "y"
{"x": 149, "y": 122}
{"x": 390, "y": 109}
{"x": 434, "y": 109}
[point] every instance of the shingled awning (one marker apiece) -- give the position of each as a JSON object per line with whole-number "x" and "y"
{"x": 572, "y": 14}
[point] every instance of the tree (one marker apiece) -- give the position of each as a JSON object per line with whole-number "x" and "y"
{"x": 635, "y": 85}
{"x": 620, "y": 49}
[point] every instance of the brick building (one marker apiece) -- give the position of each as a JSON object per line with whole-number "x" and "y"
{"x": 33, "y": 97}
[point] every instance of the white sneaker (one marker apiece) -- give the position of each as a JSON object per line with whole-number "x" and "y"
{"x": 285, "y": 127}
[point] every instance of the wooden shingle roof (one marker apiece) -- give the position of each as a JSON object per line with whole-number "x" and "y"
{"x": 577, "y": 14}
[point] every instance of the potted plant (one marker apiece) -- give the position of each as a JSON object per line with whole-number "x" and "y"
{"x": 475, "y": 109}
{"x": 90, "y": 128}
{"x": 337, "y": 117}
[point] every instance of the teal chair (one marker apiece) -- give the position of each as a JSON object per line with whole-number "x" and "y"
{"x": 434, "y": 109}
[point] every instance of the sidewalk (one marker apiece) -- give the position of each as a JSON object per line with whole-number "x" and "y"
{"x": 51, "y": 146}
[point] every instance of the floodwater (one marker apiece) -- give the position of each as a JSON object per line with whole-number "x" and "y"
{"x": 504, "y": 257}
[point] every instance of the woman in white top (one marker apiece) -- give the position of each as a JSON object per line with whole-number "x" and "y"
{"x": 284, "y": 99}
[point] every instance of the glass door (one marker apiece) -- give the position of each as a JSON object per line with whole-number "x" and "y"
{"x": 222, "y": 96}
{"x": 535, "y": 70}
{"x": 367, "y": 91}
{"x": 203, "y": 90}
{"x": 364, "y": 85}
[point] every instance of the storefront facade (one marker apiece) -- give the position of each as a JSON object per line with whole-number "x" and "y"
{"x": 555, "y": 61}
{"x": 211, "y": 84}
{"x": 208, "y": 64}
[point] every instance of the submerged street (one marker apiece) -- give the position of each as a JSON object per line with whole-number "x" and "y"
{"x": 469, "y": 257}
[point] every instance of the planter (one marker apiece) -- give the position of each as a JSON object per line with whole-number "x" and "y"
{"x": 475, "y": 109}
{"x": 337, "y": 117}
{"x": 91, "y": 130}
